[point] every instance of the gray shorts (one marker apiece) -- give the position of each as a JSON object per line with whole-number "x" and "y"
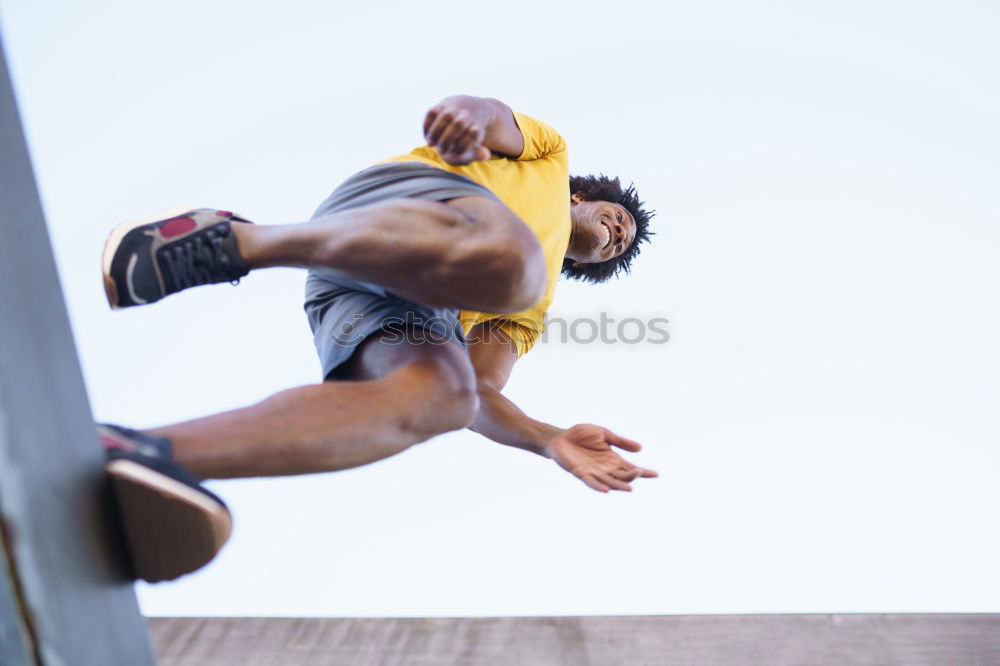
{"x": 344, "y": 312}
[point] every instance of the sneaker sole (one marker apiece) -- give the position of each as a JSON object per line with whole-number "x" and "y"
{"x": 115, "y": 239}
{"x": 170, "y": 528}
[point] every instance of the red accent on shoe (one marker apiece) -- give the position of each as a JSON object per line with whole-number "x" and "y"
{"x": 177, "y": 226}
{"x": 223, "y": 213}
{"x": 109, "y": 442}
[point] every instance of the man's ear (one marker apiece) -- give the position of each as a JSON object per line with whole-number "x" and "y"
{"x": 576, "y": 198}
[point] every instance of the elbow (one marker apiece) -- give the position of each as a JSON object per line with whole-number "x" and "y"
{"x": 485, "y": 394}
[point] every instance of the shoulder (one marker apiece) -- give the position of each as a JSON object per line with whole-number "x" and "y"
{"x": 540, "y": 139}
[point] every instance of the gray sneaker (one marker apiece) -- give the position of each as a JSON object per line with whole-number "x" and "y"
{"x": 171, "y": 524}
{"x": 147, "y": 260}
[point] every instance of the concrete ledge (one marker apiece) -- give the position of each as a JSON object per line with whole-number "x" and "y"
{"x": 703, "y": 640}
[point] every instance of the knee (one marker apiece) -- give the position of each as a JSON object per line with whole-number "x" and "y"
{"x": 489, "y": 246}
{"x": 509, "y": 266}
{"x": 442, "y": 402}
{"x": 456, "y": 409}
{"x": 518, "y": 274}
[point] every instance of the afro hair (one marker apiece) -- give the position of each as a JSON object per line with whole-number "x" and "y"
{"x": 602, "y": 188}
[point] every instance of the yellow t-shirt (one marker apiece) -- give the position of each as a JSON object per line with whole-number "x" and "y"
{"x": 535, "y": 186}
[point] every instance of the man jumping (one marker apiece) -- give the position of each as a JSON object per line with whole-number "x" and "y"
{"x": 405, "y": 259}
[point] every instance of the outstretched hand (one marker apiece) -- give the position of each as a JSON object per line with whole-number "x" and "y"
{"x": 456, "y": 128}
{"x": 585, "y": 451}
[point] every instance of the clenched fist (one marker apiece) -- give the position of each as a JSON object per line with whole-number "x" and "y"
{"x": 456, "y": 128}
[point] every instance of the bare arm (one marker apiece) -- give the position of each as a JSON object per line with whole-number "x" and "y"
{"x": 493, "y": 355}
{"x": 467, "y": 129}
{"x": 584, "y": 450}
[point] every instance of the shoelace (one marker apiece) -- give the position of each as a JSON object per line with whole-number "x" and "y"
{"x": 200, "y": 259}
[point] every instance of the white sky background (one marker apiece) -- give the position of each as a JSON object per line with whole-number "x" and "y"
{"x": 824, "y": 416}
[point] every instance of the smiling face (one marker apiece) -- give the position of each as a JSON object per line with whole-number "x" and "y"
{"x": 602, "y": 230}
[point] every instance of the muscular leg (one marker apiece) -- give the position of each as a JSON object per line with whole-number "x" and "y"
{"x": 405, "y": 393}
{"x": 470, "y": 252}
